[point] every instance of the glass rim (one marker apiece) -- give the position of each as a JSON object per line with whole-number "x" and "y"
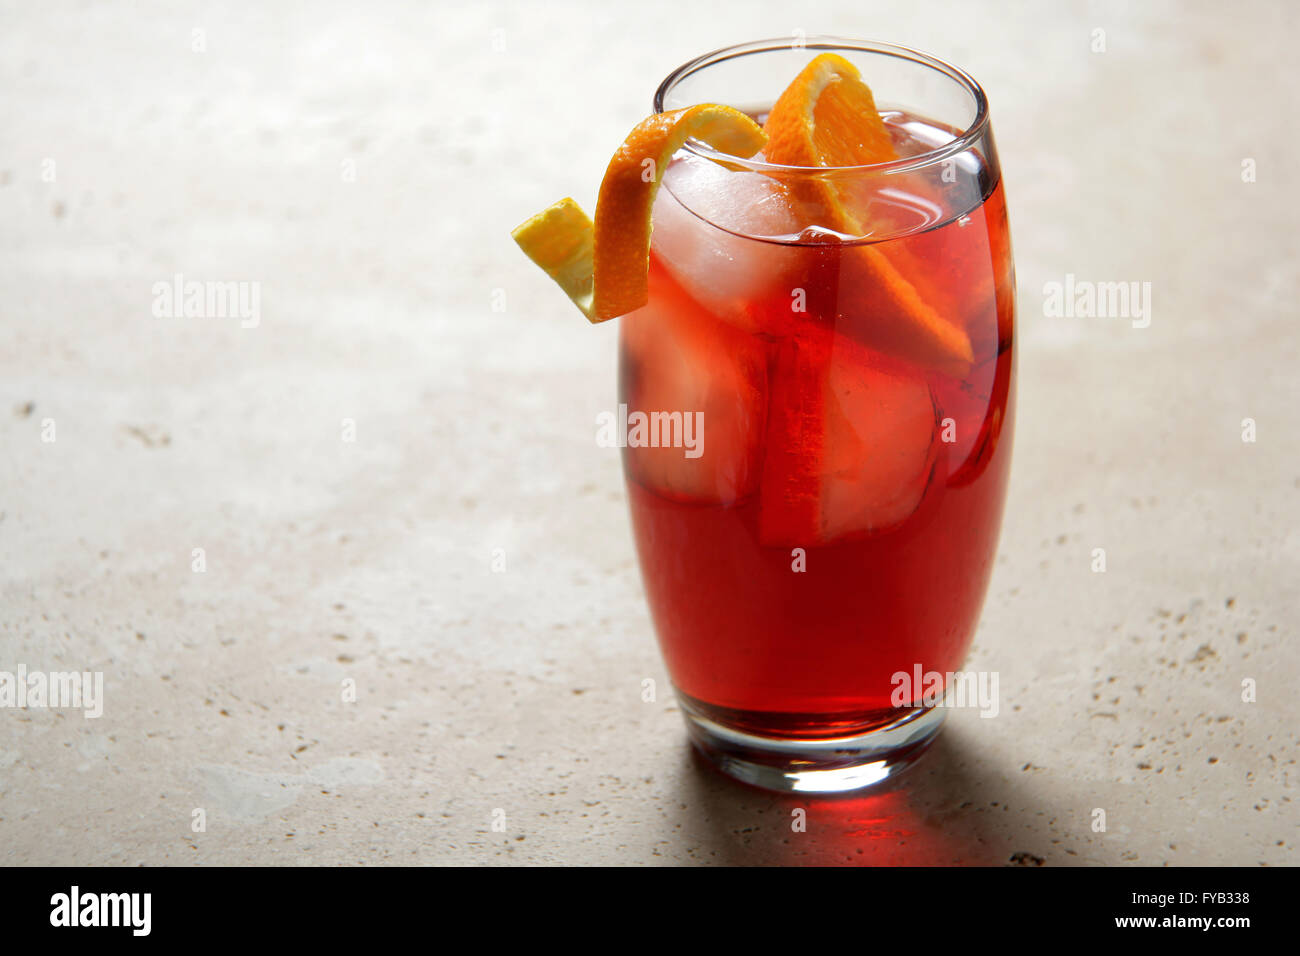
{"x": 964, "y": 141}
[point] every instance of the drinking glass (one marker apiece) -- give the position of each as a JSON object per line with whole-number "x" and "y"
{"x": 816, "y": 498}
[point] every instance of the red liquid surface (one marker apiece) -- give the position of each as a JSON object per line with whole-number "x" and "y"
{"x": 883, "y": 480}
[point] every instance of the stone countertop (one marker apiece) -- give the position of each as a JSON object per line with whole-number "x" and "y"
{"x": 347, "y": 680}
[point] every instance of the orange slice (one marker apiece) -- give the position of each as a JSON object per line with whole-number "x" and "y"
{"x": 828, "y": 117}
{"x": 603, "y": 267}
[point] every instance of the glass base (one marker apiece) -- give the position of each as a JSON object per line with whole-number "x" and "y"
{"x": 828, "y": 765}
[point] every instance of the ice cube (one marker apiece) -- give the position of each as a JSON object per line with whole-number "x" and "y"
{"x": 678, "y": 359}
{"x": 710, "y": 224}
{"x": 850, "y": 444}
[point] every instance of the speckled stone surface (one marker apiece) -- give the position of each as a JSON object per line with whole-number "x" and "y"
{"x": 363, "y": 165}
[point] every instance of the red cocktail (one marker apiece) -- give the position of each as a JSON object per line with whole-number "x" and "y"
{"x": 819, "y": 394}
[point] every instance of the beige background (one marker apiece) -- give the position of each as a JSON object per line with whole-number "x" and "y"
{"x": 370, "y": 560}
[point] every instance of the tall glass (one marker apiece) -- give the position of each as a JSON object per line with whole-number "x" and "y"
{"x": 815, "y": 496}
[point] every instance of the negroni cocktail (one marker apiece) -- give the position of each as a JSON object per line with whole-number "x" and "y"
{"x": 829, "y": 293}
